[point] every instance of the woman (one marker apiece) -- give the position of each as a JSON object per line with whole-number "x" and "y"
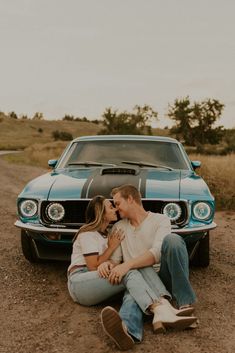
{"x": 93, "y": 246}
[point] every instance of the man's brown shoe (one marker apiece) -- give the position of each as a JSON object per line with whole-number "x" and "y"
{"x": 116, "y": 329}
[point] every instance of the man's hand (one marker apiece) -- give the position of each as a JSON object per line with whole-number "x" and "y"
{"x": 118, "y": 272}
{"x": 104, "y": 269}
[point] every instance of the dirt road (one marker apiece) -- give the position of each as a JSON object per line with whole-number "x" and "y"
{"x": 37, "y": 314}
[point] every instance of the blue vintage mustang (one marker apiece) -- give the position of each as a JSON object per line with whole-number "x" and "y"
{"x": 52, "y": 207}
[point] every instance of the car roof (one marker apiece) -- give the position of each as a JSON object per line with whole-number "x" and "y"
{"x": 125, "y": 137}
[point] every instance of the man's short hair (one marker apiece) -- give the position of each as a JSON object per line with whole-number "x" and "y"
{"x": 126, "y": 191}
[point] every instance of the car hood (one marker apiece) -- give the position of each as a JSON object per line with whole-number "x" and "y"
{"x": 72, "y": 184}
{"x": 192, "y": 187}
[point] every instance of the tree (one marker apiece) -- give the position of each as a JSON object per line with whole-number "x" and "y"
{"x": 136, "y": 122}
{"x": 229, "y": 139}
{"x": 38, "y": 116}
{"x": 13, "y": 115}
{"x": 195, "y": 122}
{"x": 206, "y": 114}
{"x": 24, "y": 117}
{"x": 68, "y": 117}
{"x": 181, "y": 113}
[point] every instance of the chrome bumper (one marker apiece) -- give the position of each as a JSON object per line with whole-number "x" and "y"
{"x": 38, "y": 228}
{"x": 200, "y": 229}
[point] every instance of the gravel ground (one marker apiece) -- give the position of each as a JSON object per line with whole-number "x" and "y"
{"x": 37, "y": 314}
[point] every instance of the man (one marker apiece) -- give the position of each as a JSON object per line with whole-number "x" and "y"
{"x": 148, "y": 241}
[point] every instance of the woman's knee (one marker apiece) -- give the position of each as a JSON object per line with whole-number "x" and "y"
{"x": 83, "y": 297}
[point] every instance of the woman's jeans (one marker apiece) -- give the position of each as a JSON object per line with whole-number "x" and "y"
{"x": 88, "y": 288}
{"x": 174, "y": 273}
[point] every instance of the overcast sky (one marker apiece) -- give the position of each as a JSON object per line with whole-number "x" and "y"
{"x": 79, "y": 57}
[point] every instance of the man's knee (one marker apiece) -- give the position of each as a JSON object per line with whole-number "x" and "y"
{"x": 172, "y": 242}
{"x": 132, "y": 274}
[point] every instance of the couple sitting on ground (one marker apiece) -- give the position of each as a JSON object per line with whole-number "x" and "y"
{"x": 104, "y": 264}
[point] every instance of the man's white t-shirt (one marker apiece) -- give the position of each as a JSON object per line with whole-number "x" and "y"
{"x": 87, "y": 243}
{"x": 147, "y": 236}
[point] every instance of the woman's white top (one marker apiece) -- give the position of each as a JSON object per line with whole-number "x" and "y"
{"x": 87, "y": 243}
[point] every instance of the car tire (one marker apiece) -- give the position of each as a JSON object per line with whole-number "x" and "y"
{"x": 202, "y": 255}
{"x": 28, "y": 248}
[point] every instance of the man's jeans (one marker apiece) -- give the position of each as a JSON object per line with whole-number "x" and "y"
{"x": 174, "y": 272}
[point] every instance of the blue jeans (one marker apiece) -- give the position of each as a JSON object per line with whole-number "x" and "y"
{"x": 145, "y": 287}
{"x": 88, "y": 288}
{"x": 174, "y": 273}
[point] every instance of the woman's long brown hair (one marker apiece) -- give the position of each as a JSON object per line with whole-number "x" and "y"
{"x": 94, "y": 215}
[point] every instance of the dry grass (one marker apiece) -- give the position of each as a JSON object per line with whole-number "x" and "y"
{"x": 19, "y": 134}
{"x": 219, "y": 173}
{"x": 38, "y": 154}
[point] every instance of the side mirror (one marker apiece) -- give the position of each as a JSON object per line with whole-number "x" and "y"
{"x": 196, "y": 164}
{"x": 52, "y": 163}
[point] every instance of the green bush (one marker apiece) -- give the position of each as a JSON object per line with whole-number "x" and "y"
{"x": 62, "y": 135}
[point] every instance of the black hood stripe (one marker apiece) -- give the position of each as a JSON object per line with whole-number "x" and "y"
{"x": 98, "y": 184}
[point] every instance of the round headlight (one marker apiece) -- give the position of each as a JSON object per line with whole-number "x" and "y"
{"x": 172, "y": 210}
{"x": 201, "y": 210}
{"x": 55, "y": 211}
{"x": 28, "y": 208}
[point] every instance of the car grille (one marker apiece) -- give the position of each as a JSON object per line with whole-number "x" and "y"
{"x": 75, "y": 212}
{"x": 158, "y": 205}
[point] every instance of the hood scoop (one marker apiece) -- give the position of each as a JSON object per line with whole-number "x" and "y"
{"x": 119, "y": 170}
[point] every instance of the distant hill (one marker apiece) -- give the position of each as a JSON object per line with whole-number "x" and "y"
{"x": 18, "y": 134}
{"x": 21, "y": 133}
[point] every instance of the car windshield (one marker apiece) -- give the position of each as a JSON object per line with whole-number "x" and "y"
{"x": 154, "y": 153}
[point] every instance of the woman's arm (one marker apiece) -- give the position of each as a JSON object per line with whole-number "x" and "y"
{"x": 94, "y": 260}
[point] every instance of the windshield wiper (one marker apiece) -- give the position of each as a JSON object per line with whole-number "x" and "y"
{"x": 143, "y": 164}
{"x": 91, "y": 163}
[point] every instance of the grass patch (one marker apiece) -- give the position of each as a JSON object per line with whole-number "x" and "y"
{"x": 18, "y": 134}
{"x": 219, "y": 174}
{"x": 38, "y": 154}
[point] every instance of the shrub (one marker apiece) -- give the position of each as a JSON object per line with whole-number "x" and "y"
{"x": 68, "y": 117}
{"x": 13, "y": 115}
{"x": 62, "y": 135}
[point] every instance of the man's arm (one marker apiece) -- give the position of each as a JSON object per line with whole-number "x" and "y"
{"x": 144, "y": 260}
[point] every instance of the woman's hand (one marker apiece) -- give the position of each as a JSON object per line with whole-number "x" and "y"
{"x": 115, "y": 238}
{"x": 104, "y": 269}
